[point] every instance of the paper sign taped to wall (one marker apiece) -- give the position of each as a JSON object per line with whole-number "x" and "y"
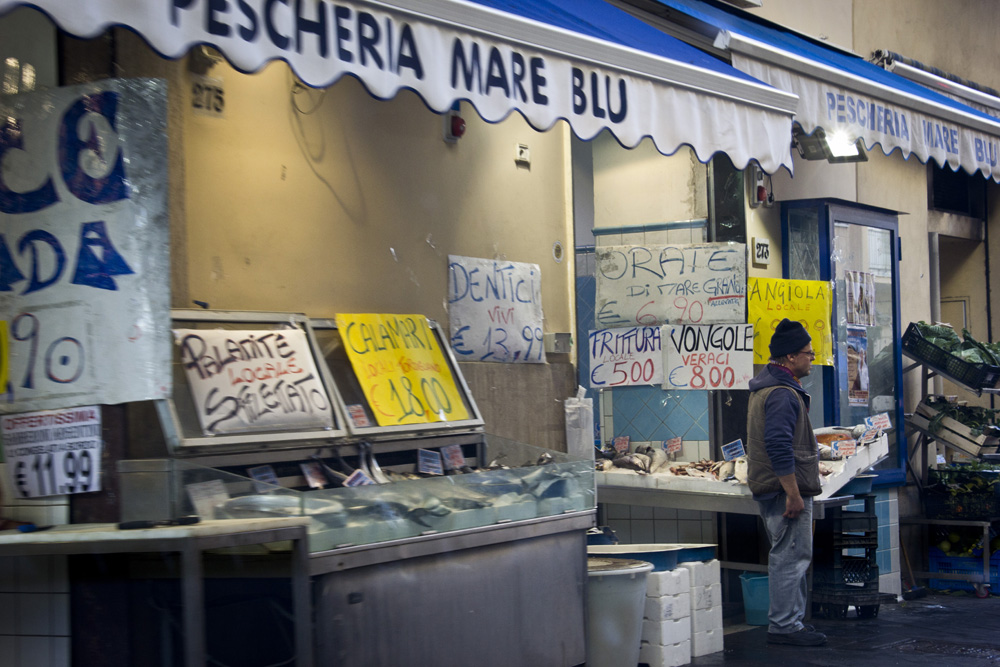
{"x": 495, "y": 310}
{"x": 716, "y": 356}
{"x": 625, "y": 357}
{"x": 807, "y": 301}
{"x": 671, "y": 284}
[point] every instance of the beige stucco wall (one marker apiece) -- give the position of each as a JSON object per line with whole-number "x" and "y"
{"x": 333, "y": 201}
{"x": 351, "y": 204}
{"x": 826, "y": 20}
{"x": 641, "y": 186}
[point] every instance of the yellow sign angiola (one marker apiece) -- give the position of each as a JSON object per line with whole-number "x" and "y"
{"x": 769, "y": 300}
{"x": 401, "y": 368}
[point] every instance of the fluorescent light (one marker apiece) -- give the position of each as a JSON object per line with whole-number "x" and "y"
{"x": 842, "y": 144}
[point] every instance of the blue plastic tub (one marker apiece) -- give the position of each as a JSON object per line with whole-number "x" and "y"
{"x": 662, "y": 556}
{"x": 756, "y": 597}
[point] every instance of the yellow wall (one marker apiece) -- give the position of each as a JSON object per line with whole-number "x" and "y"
{"x": 642, "y": 187}
{"x": 333, "y": 201}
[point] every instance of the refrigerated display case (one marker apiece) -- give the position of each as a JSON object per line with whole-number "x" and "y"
{"x": 498, "y": 532}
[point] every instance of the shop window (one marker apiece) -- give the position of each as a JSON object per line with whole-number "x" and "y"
{"x": 956, "y": 192}
{"x": 726, "y": 206}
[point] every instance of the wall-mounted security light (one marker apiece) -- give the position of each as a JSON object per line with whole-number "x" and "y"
{"x": 837, "y": 146}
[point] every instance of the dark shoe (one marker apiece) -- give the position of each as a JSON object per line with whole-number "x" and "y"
{"x": 803, "y": 637}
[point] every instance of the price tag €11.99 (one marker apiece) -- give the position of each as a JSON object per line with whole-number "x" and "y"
{"x": 52, "y": 473}
{"x": 53, "y": 452}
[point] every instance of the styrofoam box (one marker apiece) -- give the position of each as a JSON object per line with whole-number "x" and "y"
{"x": 703, "y": 573}
{"x": 706, "y": 597}
{"x": 703, "y": 620}
{"x": 668, "y": 607}
{"x": 672, "y": 655}
{"x": 673, "y": 582}
{"x": 704, "y": 643}
{"x": 666, "y": 633}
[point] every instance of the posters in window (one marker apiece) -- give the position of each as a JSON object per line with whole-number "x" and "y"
{"x": 860, "y": 287}
{"x": 857, "y": 365}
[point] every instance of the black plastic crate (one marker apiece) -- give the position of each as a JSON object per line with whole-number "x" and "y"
{"x": 920, "y": 348}
{"x": 976, "y": 376}
{"x": 849, "y": 571}
{"x": 941, "y": 503}
{"x": 967, "y": 506}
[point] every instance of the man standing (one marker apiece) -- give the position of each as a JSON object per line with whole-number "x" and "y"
{"x": 783, "y": 474}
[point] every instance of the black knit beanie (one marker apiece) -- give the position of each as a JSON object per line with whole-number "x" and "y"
{"x": 789, "y": 337}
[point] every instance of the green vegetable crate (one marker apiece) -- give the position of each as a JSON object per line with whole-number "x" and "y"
{"x": 959, "y": 493}
{"x": 953, "y": 432}
{"x": 972, "y": 375}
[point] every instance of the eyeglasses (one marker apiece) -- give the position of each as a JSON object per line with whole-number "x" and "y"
{"x": 811, "y": 354}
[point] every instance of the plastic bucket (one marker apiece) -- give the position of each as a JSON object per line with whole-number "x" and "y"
{"x": 616, "y": 596}
{"x": 756, "y": 600}
{"x": 662, "y": 556}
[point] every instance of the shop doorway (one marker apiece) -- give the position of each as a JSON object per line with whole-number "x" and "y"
{"x": 857, "y": 249}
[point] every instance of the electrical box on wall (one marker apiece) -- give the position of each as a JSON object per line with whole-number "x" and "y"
{"x": 759, "y": 185}
{"x": 558, "y": 343}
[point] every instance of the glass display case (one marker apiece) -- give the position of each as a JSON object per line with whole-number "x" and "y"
{"x": 526, "y": 482}
{"x": 359, "y": 479}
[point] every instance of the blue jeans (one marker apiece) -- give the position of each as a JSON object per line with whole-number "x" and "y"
{"x": 788, "y": 563}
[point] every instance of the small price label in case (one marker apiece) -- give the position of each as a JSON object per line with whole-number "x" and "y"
{"x": 733, "y": 450}
{"x": 673, "y": 445}
{"x": 880, "y": 421}
{"x": 53, "y": 452}
{"x": 845, "y": 447}
{"x": 429, "y": 462}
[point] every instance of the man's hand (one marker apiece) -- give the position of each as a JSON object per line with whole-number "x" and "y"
{"x": 793, "y": 499}
{"x": 793, "y": 506}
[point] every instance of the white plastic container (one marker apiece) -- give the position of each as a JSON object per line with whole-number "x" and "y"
{"x": 616, "y": 593}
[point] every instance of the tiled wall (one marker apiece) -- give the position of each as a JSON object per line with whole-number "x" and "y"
{"x": 887, "y": 511}
{"x": 634, "y": 524}
{"x": 34, "y": 591}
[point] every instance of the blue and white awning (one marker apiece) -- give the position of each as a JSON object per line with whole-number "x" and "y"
{"x": 582, "y": 61}
{"x": 839, "y": 90}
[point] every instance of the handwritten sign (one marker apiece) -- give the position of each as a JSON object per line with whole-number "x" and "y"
{"x": 495, "y": 309}
{"x": 623, "y": 357}
{"x": 84, "y": 261}
{"x": 715, "y": 356}
{"x": 53, "y": 452}
{"x": 673, "y": 445}
{"x": 843, "y": 448}
{"x": 401, "y": 368}
{"x": 770, "y": 300}
{"x": 675, "y": 284}
{"x": 879, "y": 421}
{"x": 253, "y": 380}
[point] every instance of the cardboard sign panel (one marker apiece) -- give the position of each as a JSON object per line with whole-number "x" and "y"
{"x": 253, "y": 380}
{"x": 671, "y": 284}
{"x": 770, "y": 300}
{"x": 717, "y": 356}
{"x": 401, "y": 368}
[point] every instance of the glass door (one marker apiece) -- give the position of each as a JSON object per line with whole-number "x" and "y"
{"x": 856, "y": 247}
